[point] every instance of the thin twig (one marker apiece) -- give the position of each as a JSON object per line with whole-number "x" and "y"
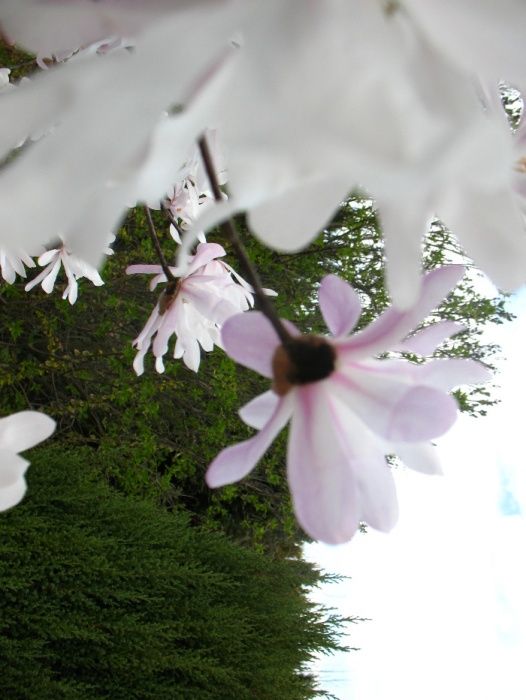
{"x": 230, "y": 231}
{"x": 153, "y": 234}
{"x": 171, "y": 219}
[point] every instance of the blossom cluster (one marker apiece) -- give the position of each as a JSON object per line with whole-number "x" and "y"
{"x": 306, "y": 107}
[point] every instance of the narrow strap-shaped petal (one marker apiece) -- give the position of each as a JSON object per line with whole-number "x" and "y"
{"x": 426, "y": 340}
{"x": 257, "y": 412}
{"x": 339, "y": 304}
{"x": 324, "y": 490}
{"x": 393, "y": 325}
{"x": 206, "y": 252}
{"x": 235, "y": 462}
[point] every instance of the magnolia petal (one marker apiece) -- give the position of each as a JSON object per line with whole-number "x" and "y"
{"x": 448, "y": 373}
{"x": 403, "y": 228}
{"x": 396, "y": 411}
{"x": 324, "y": 490}
{"x": 393, "y": 325}
{"x": 250, "y": 340}
{"x": 257, "y": 412}
{"x": 23, "y": 430}
{"x": 12, "y": 482}
{"x": 422, "y": 457}
{"x": 339, "y": 304}
{"x": 235, "y": 462}
{"x": 206, "y": 252}
{"x": 291, "y": 220}
{"x": 490, "y": 226}
{"x": 426, "y": 340}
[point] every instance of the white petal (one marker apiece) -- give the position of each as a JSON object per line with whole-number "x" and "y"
{"x": 339, "y": 305}
{"x": 22, "y": 430}
{"x": 422, "y": 457}
{"x": 12, "y": 482}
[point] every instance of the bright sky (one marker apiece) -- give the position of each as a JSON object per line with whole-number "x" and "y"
{"x": 446, "y": 590}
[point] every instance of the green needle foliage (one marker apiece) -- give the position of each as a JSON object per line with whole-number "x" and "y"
{"x": 106, "y": 596}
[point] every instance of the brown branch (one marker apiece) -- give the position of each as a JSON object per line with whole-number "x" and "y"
{"x": 229, "y": 229}
{"x": 155, "y": 240}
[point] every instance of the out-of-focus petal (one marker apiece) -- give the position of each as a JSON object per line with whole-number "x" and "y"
{"x": 426, "y": 340}
{"x": 250, "y": 340}
{"x": 20, "y": 431}
{"x": 321, "y": 478}
{"x": 339, "y": 304}
{"x": 235, "y": 462}
{"x": 448, "y": 373}
{"x": 396, "y": 411}
{"x": 258, "y": 411}
{"x": 422, "y": 457}
{"x": 12, "y": 482}
{"x": 393, "y": 325}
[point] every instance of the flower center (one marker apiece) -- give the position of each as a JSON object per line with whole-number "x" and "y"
{"x": 302, "y": 360}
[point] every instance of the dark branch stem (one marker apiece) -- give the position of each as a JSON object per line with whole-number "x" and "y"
{"x": 229, "y": 229}
{"x": 171, "y": 219}
{"x": 155, "y": 240}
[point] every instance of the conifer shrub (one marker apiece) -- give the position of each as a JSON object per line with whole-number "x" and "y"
{"x": 106, "y": 596}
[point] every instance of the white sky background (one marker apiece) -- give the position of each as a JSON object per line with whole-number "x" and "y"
{"x": 446, "y": 590}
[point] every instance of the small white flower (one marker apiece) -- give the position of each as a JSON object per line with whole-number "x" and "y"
{"x": 74, "y": 267}
{"x": 12, "y": 264}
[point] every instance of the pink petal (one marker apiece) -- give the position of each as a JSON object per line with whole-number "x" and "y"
{"x": 257, "y": 412}
{"x": 448, "y": 373}
{"x": 235, "y": 462}
{"x": 143, "y": 269}
{"x": 426, "y": 341}
{"x": 206, "y": 252}
{"x": 393, "y": 325}
{"x": 23, "y": 430}
{"x": 395, "y": 410}
{"x": 322, "y": 483}
{"x": 250, "y": 340}
{"x": 339, "y": 305}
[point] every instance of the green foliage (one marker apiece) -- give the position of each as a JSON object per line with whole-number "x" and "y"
{"x": 105, "y": 596}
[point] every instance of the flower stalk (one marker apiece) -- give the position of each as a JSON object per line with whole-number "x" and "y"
{"x": 229, "y": 229}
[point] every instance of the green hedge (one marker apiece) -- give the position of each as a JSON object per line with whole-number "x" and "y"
{"x": 106, "y": 596}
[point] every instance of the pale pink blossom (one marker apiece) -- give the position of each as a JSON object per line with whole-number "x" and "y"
{"x": 193, "y": 309}
{"x": 19, "y": 432}
{"x": 74, "y": 268}
{"x": 347, "y": 408}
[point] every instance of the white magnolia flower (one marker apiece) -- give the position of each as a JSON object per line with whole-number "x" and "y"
{"x": 19, "y": 432}
{"x": 12, "y": 264}
{"x": 74, "y": 268}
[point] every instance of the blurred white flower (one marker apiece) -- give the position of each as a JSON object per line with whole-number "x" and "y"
{"x": 74, "y": 268}
{"x": 19, "y": 432}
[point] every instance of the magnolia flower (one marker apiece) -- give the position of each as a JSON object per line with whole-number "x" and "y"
{"x": 19, "y": 432}
{"x": 74, "y": 268}
{"x": 347, "y": 409}
{"x": 12, "y": 264}
{"x": 193, "y": 308}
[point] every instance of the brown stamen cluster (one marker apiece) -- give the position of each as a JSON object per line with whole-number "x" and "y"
{"x": 168, "y": 295}
{"x": 302, "y": 360}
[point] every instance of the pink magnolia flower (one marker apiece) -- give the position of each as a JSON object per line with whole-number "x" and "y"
{"x": 347, "y": 408}
{"x": 207, "y": 293}
{"x": 19, "y": 432}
